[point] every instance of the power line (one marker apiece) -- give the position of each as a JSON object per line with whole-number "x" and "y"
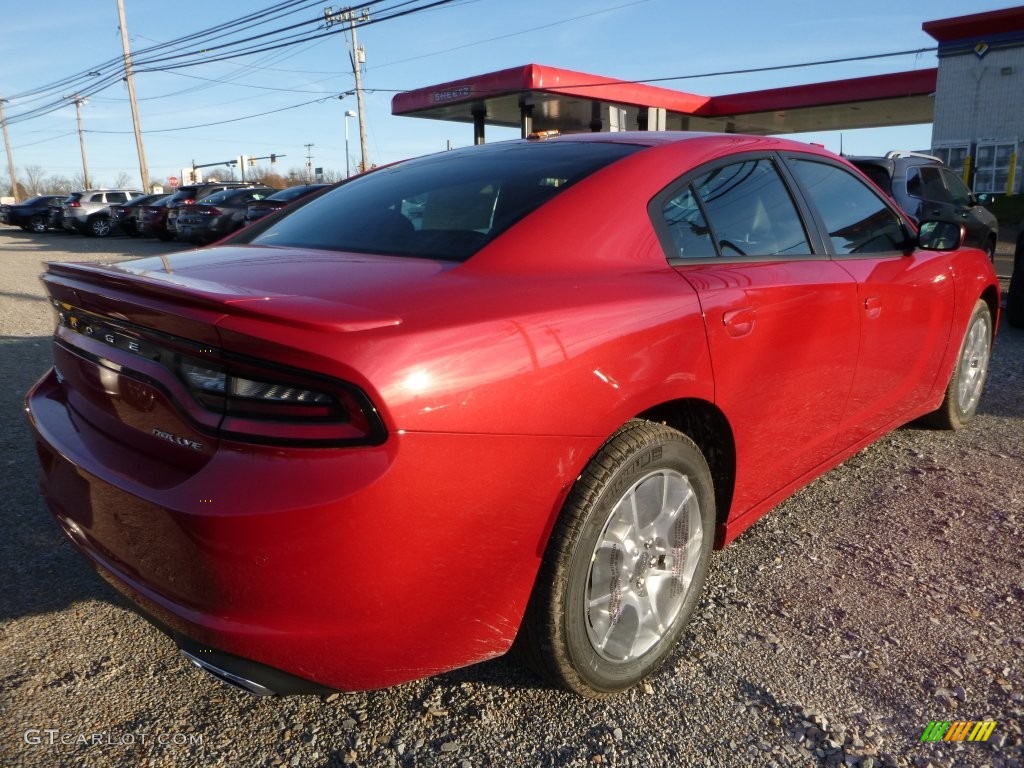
{"x": 223, "y": 122}
{"x": 141, "y": 64}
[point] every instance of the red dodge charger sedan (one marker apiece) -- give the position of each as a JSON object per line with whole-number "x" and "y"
{"x": 508, "y": 395}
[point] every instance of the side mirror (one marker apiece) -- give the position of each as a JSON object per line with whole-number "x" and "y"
{"x": 984, "y": 199}
{"x": 940, "y": 235}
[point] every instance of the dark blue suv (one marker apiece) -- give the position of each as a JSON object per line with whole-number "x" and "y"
{"x": 926, "y": 189}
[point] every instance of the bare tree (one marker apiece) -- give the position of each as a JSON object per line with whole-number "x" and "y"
{"x": 123, "y": 181}
{"x": 78, "y": 182}
{"x": 5, "y": 187}
{"x": 57, "y": 185}
{"x": 267, "y": 178}
{"x": 33, "y": 180}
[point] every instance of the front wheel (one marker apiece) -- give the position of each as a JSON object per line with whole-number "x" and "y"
{"x": 625, "y": 565}
{"x": 963, "y": 393}
{"x": 37, "y": 224}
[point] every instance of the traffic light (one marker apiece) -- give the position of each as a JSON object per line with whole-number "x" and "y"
{"x": 273, "y": 158}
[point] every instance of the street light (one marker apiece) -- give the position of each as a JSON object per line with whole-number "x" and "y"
{"x": 348, "y": 113}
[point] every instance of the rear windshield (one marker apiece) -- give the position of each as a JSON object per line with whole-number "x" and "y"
{"x": 445, "y": 206}
{"x": 877, "y": 174}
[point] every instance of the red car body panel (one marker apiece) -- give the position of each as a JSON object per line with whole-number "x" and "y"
{"x": 496, "y": 380}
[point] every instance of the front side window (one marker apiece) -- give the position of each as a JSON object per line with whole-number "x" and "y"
{"x": 750, "y": 210}
{"x": 857, "y": 219}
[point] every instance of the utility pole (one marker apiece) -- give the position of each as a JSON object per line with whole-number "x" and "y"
{"x": 79, "y": 101}
{"x": 7, "y": 146}
{"x": 143, "y": 168}
{"x": 309, "y": 163}
{"x": 358, "y": 57}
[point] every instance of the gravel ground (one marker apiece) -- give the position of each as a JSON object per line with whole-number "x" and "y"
{"x": 887, "y": 594}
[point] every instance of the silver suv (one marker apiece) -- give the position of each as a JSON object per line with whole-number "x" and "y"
{"x": 88, "y": 211}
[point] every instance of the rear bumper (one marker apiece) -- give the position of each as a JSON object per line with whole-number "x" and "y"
{"x": 353, "y": 568}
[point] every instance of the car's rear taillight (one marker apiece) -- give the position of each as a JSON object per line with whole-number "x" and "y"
{"x": 209, "y": 211}
{"x": 242, "y": 398}
{"x": 73, "y": 204}
{"x": 281, "y": 405}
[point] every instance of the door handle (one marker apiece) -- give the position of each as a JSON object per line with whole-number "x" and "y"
{"x": 738, "y": 322}
{"x": 872, "y": 307}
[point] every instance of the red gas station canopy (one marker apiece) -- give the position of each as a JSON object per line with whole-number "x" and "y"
{"x": 547, "y": 98}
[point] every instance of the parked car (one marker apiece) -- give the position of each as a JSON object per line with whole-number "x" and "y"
{"x": 190, "y": 193}
{"x": 33, "y": 215}
{"x": 55, "y": 220}
{"x": 342, "y": 449}
{"x": 926, "y": 189}
{"x": 88, "y": 212}
{"x": 278, "y": 200}
{"x": 125, "y": 217}
{"x": 151, "y": 220}
{"x": 219, "y": 214}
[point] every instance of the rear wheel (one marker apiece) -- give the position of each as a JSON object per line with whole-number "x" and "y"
{"x": 625, "y": 565}
{"x": 963, "y": 393}
{"x": 99, "y": 227}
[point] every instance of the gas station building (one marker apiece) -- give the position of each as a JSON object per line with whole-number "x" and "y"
{"x": 974, "y": 100}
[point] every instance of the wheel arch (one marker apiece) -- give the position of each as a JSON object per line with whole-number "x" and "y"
{"x": 705, "y": 424}
{"x": 991, "y": 297}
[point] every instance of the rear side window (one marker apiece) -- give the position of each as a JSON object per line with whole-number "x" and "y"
{"x": 958, "y": 191}
{"x": 736, "y": 210}
{"x": 116, "y": 197}
{"x": 925, "y": 183}
{"x": 751, "y": 212}
{"x": 857, "y": 219}
{"x": 444, "y": 206}
{"x": 691, "y": 236}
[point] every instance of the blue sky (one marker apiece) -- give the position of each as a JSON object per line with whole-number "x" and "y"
{"x": 629, "y": 39}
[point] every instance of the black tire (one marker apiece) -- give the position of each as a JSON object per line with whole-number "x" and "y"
{"x": 963, "y": 393}
{"x": 654, "y": 561}
{"x": 98, "y": 226}
{"x": 37, "y": 224}
{"x": 165, "y": 236}
{"x": 1015, "y": 294}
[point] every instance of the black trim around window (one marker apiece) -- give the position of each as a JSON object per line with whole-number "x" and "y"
{"x": 808, "y": 221}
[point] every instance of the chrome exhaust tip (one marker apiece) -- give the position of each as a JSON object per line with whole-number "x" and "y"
{"x": 237, "y": 681}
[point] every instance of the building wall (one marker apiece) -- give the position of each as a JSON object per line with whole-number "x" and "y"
{"x": 979, "y": 105}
